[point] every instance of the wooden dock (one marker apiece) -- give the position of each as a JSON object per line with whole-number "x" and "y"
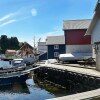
{"x": 80, "y": 96}
{"x": 81, "y": 70}
{"x": 72, "y": 68}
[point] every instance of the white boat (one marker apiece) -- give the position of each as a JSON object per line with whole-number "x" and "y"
{"x": 29, "y": 60}
{"x": 17, "y": 63}
{"x": 74, "y": 56}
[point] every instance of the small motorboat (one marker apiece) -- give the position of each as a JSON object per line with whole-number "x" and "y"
{"x": 17, "y": 63}
{"x": 74, "y": 57}
{"x": 9, "y": 78}
{"x": 16, "y": 73}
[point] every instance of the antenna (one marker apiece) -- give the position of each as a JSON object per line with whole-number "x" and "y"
{"x": 39, "y": 40}
{"x": 34, "y": 41}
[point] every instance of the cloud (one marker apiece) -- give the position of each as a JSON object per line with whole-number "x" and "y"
{"x": 8, "y": 22}
{"x": 34, "y": 12}
{"x": 21, "y": 14}
{"x": 6, "y": 17}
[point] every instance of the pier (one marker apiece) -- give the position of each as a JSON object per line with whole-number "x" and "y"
{"x": 80, "y": 96}
{"x": 74, "y": 68}
{"x": 84, "y": 82}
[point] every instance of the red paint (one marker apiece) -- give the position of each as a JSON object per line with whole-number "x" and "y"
{"x": 76, "y": 37}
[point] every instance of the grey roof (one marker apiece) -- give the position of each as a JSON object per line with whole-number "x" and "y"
{"x": 41, "y": 43}
{"x": 51, "y": 40}
{"x": 95, "y": 19}
{"x": 76, "y": 24}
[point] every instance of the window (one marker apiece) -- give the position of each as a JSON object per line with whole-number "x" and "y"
{"x": 56, "y": 46}
{"x": 56, "y": 54}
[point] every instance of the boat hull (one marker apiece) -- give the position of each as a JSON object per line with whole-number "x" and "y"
{"x": 13, "y": 79}
{"x": 74, "y": 56}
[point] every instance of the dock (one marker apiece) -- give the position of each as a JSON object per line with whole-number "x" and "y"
{"x": 80, "y": 96}
{"x": 74, "y": 68}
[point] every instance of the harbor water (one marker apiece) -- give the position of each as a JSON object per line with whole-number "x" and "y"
{"x": 29, "y": 90}
{"x": 34, "y": 88}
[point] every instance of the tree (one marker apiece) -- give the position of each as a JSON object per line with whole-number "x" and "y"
{"x": 14, "y": 43}
{"x": 8, "y": 43}
{"x": 4, "y": 42}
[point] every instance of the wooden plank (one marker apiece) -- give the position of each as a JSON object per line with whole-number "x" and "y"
{"x": 80, "y": 96}
{"x": 80, "y": 70}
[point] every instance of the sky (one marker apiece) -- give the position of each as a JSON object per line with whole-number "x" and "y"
{"x": 29, "y": 19}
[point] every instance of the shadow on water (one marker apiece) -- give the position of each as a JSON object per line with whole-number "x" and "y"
{"x": 51, "y": 88}
{"x": 19, "y": 88}
{"x": 29, "y": 90}
{"x": 37, "y": 88}
{"x": 32, "y": 89}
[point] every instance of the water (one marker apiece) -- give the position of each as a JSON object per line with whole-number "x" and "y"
{"x": 29, "y": 90}
{"x": 32, "y": 89}
{"x": 5, "y": 64}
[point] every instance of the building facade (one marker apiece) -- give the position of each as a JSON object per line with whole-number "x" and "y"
{"x": 55, "y": 46}
{"x": 42, "y": 50}
{"x": 27, "y": 50}
{"x": 42, "y": 47}
{"x": 94, "y": 31}
{"x": 10, "y": 52}
{"x": 74, "y": 31}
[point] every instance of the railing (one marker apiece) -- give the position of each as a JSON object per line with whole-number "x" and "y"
{"x": 90, "y": 61}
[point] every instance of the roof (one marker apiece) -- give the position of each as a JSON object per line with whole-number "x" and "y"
{"x": 97, "y": 42}
{"x": 76, "y": 24}
{"x": 26, "y": 44}
{"x": 55, "y": 40}
{"x": 11, "y": 51}
{"x": 95, "y": 19}
{"x": 41, "y": 43}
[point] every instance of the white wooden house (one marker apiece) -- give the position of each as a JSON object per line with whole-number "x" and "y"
{"x": 94, "y": 31}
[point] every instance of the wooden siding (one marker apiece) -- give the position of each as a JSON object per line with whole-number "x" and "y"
{"x": 76, "y": 37}
{"x": 43, "y": 56}
{"x": 79, "y": 48}
{"x": 51, "y": 50}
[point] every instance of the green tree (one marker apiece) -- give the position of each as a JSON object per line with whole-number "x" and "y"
{"x": 4, "y": 43}
{"x": 8, "y": 43}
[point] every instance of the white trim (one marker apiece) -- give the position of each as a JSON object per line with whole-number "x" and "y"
{"x": 56, "y": 54}
{"x": 56, "y": 46}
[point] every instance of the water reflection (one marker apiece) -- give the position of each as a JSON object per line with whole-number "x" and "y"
{"x": 19, "y": 88}
{"x": 32, "y": 89}
{"x": 51, "y": 88}
{"x": 5, "y": 64}
{"x": 29, "y": 90}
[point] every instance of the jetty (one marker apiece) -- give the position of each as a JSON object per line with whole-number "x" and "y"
{"x": 74, "y": 68}
{"x": 90, "y": 95}
{"x": 65, "y": 74}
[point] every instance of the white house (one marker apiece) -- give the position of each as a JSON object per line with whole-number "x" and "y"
{"x": 42, "y": 48}
{"x": 94, "y": 31}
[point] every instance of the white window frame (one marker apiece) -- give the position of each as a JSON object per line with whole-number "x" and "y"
{"x": 56, "y": 46}
{"x": 56, "y": 54}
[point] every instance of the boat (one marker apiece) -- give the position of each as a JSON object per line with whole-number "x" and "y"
{"x": 9, "y": 78}
{"x": 16, "y": 73}
{"x": 74, "y": 56}
{"x": 17, "y": 63}
{"x": 30, "y": 60}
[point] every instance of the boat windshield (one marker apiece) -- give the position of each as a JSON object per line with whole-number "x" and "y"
{"x": 18, "y": 63}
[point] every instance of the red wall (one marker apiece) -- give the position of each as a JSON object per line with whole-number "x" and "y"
{"x": 76, "y": 37}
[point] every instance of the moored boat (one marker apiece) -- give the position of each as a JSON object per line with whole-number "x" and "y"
{"x": 74, "y": 56}
{"x": 14, "y": 74}
{"x": 9, "y": 78}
